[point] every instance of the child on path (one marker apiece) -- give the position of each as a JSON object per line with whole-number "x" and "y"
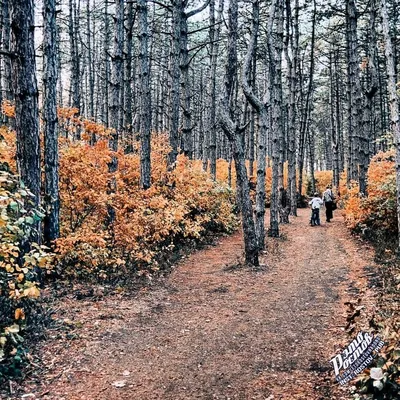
{"x": 315, "y": 203}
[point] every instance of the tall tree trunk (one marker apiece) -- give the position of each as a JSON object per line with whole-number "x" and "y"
{"x": 6, "y": 31}
{"x": 122, "y": 88}
{"x": 330, "y": 133}
{"x": 90, "y": 61}
{"x": 234, "y": 134}
{"x": 164, "y": 120}
{"x": 304, "y": 128}
{"x": 276, "y": 123}
{"x": 278, "y": 92}
{"x": 393, "y": 101}
{"x": 201, "y": 137}
{"x": 207, "y": 112}
{"x": 145, "y": 107}
{"x": 60, "y": 89}
{"x": 128, "y": 121}
{"x": 106, "y": 78}
{"x": 311, "y": 156}
{"x": 350, "y": 139}
{"x": 115, "y": 106}
{"x": 253, "y": 117}
{"x": 75, "y": 63}
{"x": 177, "y": 14}
{"x": 338, "y": 111}
{"x": 292, "y": 77}
{"x": 51, "y": 223}
{"x": 358, "y": 169}
{"x": 2, "y": 117}
{"x": 261, "y": 109}
{"x": 215, "y": 29}
{"x": 179, "y": 66}
{"x": 116, "y": 80}
{"x": 26, "y": 97}
{"x": 369, "y": 93}
{"x": 185, "y": 90}
{"x": 334, "y": 123}
{"x": 301, "y": 139}
{"x": 156, "y": 117}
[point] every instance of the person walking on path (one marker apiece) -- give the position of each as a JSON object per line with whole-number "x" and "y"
{"x": 315, "y": 203}
{"x": 328, "y": 200}
{"x": 284, "y": 206}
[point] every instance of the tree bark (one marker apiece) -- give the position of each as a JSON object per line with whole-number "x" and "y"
{"x": 261, "y": 110}
{"x": 276, "y": 122}
{"x": 145, "y": 107}
{"x": 128, "y": 120}
{"x": 334, "y": 123}
{"x": 305, "y": 124}
{"x": 177, "y": 14}
{"x": 278, "y": 92}
{"x": 26, "y": 97}
{"x": 116, "y": 81}
{"x": 215, "y": 29}
{"x": 90, "y": 62}
{"x": 358, "y": 168}
{"x": 6, "y": 32}
{"x": 393, "y": 101}
{"x": 369, "y": 93}
{"x": 106, "y": 78}
{"x": 234, "y": 134}
{"x": 253, "y": 117}
{"x": 75, "y": 62}
{"x": 187, "y": 127}
{"x": 292, "y": 77}
{"x": 51, "y": 223}
{"x": 115, "y": 104}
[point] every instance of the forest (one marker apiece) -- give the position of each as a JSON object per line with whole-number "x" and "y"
{"x": 160, "y": 162}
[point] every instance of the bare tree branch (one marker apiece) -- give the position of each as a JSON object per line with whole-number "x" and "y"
{"x": 198, "y": 10}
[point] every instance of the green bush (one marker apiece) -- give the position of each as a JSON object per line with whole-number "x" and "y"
{"x": 20, "y": 263}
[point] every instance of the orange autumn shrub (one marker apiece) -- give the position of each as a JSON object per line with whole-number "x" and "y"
{"x": 343, "y": 189}
{"x": 70, "y": 122}
{"x": 322, "y": 180}
{"x": 8, "y": 148}
{"x": 8, "y": 108}
{"x": 377, "y": 211}
{"x": 181, "y": 204}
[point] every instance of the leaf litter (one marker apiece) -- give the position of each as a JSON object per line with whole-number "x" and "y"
{"x": 237, "y": 335}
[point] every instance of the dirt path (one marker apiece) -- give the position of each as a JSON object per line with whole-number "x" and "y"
{"x": 211, "y": 333}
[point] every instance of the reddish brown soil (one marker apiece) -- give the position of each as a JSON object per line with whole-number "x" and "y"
{"x": 208, "y": 331}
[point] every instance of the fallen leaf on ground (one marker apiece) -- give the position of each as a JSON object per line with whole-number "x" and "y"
{"x": 119, "y": 384}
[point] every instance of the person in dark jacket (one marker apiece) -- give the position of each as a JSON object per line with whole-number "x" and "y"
{"x": 284, "y": 206}
{"x": 328, "y": 198}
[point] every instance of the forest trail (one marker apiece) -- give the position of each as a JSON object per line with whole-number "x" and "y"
{"x": 208, "y": 332}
